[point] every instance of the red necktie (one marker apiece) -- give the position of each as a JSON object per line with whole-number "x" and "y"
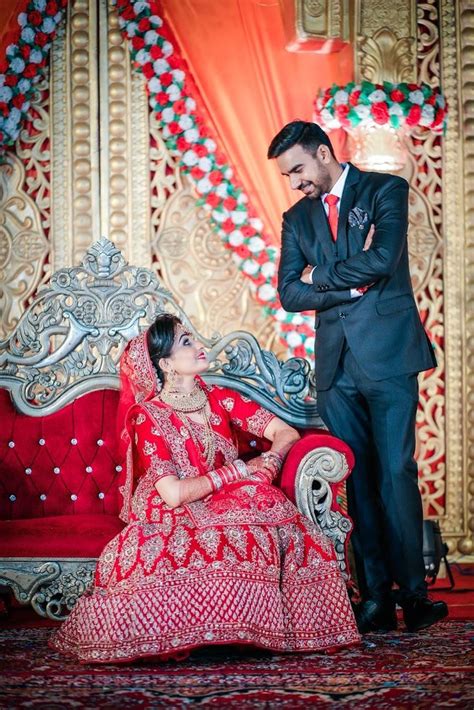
{"x": 333, "y": 215}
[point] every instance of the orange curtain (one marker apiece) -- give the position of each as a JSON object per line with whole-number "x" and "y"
{"x": 9, "y": 11}
{"x": 251, "y": 86}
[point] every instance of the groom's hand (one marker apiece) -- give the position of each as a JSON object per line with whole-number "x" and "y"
{"x": 306, "y": 275}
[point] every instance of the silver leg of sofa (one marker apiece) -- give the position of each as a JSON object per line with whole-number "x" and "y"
{"x": 314, "y": 497}
{"x": 51, "y": 587}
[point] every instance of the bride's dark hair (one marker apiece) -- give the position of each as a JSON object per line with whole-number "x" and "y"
{"x": 160, "y": 339}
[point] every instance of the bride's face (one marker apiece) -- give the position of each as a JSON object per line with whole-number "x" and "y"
{"x": 188, "y": 356}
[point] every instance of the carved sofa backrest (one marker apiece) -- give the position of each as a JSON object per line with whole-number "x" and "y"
{"x": 58, "y": 398}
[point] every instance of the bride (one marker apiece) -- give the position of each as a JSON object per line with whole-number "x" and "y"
{"x": 212, "y": 552}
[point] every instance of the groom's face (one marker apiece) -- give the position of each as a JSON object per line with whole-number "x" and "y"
{"x": 307, "y": 172}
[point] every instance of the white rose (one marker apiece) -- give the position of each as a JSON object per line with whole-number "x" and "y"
{"x": 139, "y": 6}
{"x": 174, "y": 92}
{"x": 190, "y": 158}
{"x": 250, "y": 266}
{"x": 26, "y": 106}
{"x": 309, "y": 344}
{"x": 160, "y": 66}
{"x": 132, "y": 29}
{"x": 376, "y": 96}
{"x": 22, "y": 19}
{"x": 222, "y": 190}
{"x": 210, "y": 145}
{"x": 416, "y": 97}
{"x": 5, "y": 94}
{"x": 155, "y": 20}
{"x": 297, "y": 319}
{"x": 154, "y": 85}
{"x": 256, "y": 244}
{"x": 24, "y": 85}
{"x": 142, "y": 56}
{"x": 204, "y": 186}
{"x": 362, "y": 111}
{"x": 151, "y": 37}
{"x": 35, "y": 56}
{"x": 185, "y": 121}
{"x": 191, "y": 135}
{"x": 17, "y": 65}
{"x": 11, "y": 50}
{"x": 49, "y": 25}
{"x": 39, "y": 5}
{"x": 178, "y": 75}
{"x": 294, "y": 339}
{"x": 205, "y": 164}
{"x": 236, "y": 238}
{"x": 395, "y": 110}
{"x": 280, "y": 315}
{"x": 228, "y": 174}
{"x": 190, "y": 104}
{"x": 236, "y": 259}
{"x": 239, "y": 216}
{"x": 2, "y": 79}
{"x": 168, "y": 114}
{"x": 268, "y": 269}
{"x": 165, "y": 132}
{"x": 273, "y": 253}
{"x": 341, "y": 97}
{"x": 167, "y": 48}
{"x": 328, "y": 119}
{"x": 242, "y": 199}
{"x": 218, "y": 216}
{"x": 266, "y": 292}
{"x": 427, "y": 115}
{"x": 256, "y": 223}
{"x": 28, "y": 34}
{"x": 440, "y": 101}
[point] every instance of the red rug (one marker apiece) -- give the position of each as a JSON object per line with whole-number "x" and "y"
{"x": 433, "y": 669}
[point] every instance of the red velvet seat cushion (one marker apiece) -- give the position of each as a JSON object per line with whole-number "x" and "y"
{"x": 70, "y": 536}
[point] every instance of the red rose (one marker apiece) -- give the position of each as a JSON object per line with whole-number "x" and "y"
{"x": 230, "y": 203}
{"x": 179, "y": 107}
{"x": 4, "y": 108}
{"x": 380, "y": 112}
{"x": 413, "y": 87}
{"x": 11, "y": 80}
{"x": 354, "y": 97}
{"x": 121, "y": 3}
{"x": 201, "y": 150}
{"x": 30, "y": 71}
{"x": 204, "y": 131}
{"x": 163, "y": 98}
{"x": 414, "y": 115}
{"x": 182, "y": 144}
{"x": 174, "y": 128}
{"x": 18, "y": 100}
{"x": 138, "y": 43}
{"x": 128, "y": 13}
{"x": 243, "y": 251}
{"x": 41, "y": 39}
{"x": 148, "y": 70}
{"x": 228, "y": 225}
{"x": 397, "y": 95}
{"x": 220, "y": 158}
{"x": 166, "y": 78}
{"x": 341, "y": 112}
{"x": 215, "y": 177}
{"x": 197, "y": 173}
{"x": 156, "y": 51}
{"x": 213, "y": 200}
{"x": 144, "y": 24}
{"x": 440, "y": 114}
{"x": 175, "y": 62}
{"x": 248, "y": 231}
{"x": 51, "y": 8}
{"x": 34, "y": 18}
{"x": 299, "y": 351}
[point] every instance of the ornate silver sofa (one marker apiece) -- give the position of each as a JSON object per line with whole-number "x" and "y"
{"x": 58, "y": 377}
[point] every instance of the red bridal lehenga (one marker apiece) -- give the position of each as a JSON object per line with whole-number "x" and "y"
{"x": 241, "y": 567}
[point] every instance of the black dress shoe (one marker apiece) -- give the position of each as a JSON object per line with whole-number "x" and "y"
{"x": 420, "y": 613}
{"x": 373, "y": 615}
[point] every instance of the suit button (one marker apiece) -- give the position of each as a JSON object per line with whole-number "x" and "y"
{"x": 342, "y": 315}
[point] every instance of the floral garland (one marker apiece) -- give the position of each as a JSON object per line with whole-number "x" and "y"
{"x": 384, "y": 104}
{"x": 25, "y": 62}
{"x": 170, "y": 90}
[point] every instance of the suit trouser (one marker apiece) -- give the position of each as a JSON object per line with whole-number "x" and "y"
{"x": 377, "y": 420}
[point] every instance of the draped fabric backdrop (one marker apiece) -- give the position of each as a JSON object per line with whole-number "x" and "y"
{"x": 252, "y": 86}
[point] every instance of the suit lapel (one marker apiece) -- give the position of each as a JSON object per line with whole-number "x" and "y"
{"x": 347, "y": 202}
{"x": 321, "y": 228}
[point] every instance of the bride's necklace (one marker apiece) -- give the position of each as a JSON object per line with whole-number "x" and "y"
{"x": 186, "y": 402}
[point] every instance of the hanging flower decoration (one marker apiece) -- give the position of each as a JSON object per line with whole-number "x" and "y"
{"x": 25, "y": 62}
{"x": 387, "y": 104}
{"x": 170, "y": 89}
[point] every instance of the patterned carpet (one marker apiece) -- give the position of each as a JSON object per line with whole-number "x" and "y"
{"x": 433, "y": 669}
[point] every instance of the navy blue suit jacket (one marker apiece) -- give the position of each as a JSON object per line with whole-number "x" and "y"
{"x": 383, "y": 327}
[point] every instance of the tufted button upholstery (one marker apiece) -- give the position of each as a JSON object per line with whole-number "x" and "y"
{"x": 59, "y": 464}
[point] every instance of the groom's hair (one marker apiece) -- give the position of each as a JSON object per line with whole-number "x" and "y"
{"x": 308, "y": 135}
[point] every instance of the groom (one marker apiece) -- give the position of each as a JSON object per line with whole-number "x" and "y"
{"x": 370, "y": 347}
